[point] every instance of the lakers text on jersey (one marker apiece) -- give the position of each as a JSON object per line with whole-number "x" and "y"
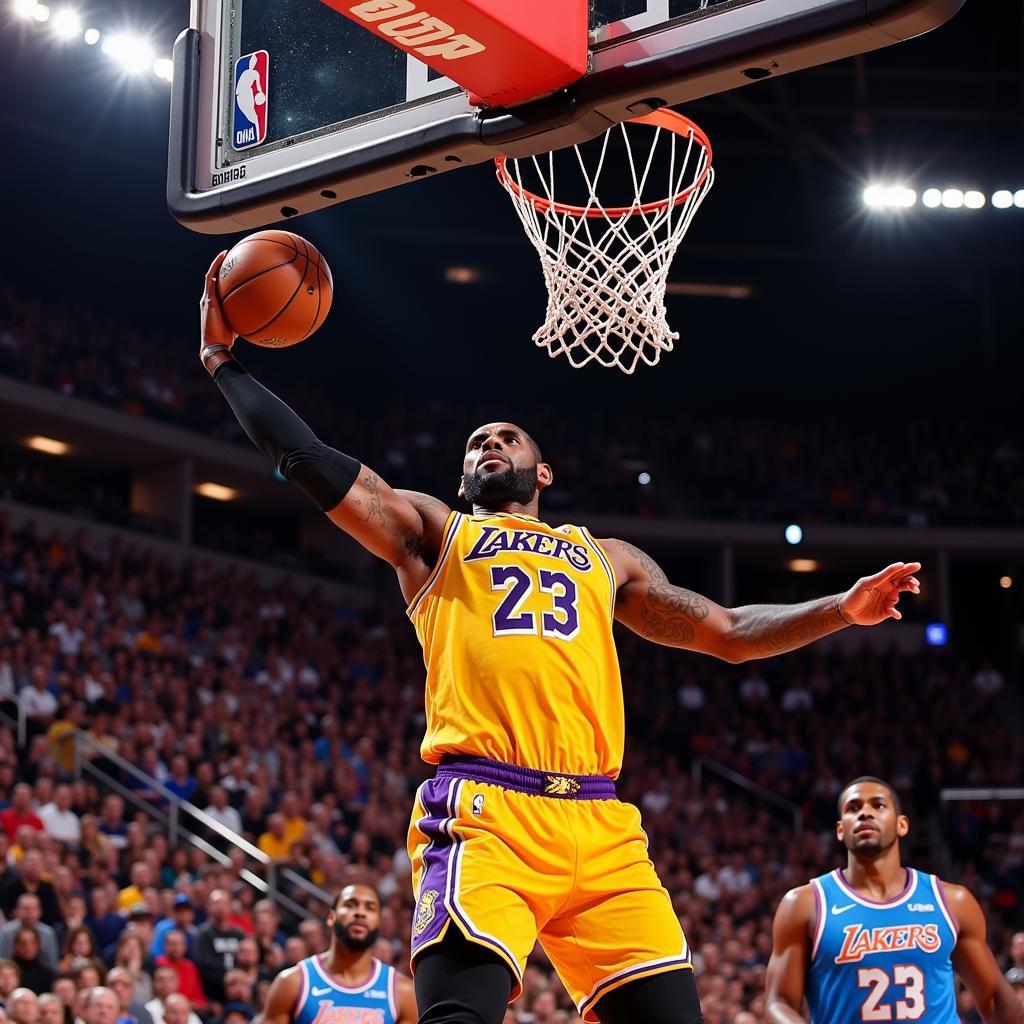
{"x": 882, "y": 961}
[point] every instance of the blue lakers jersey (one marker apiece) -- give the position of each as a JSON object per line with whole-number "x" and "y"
{"x": 882, "y": 961}
{"x": 322, "y": 1000}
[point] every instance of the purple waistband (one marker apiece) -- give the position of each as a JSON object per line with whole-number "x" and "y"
{"x": 528, "y": 780}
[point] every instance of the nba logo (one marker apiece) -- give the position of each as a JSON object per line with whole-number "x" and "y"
{"x": 252, "y": 88}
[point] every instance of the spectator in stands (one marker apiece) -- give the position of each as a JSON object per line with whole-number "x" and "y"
{"x": 1016, "y": 958}
{"x": 79, "y": 944}
{"x": 10, "y": 979}
{"x": 314, "y": 935}
{"x": 190, "y": 983}
{"x": 165, "y": 987}
{"x": 20, "y": 812}
{"x": 59, "y": 736}
{"x": 23, "y": 1007}
{"x": 182, "y": 918}
{"x": 268, "y": 935}
{"x": 239, "y": 986}
{"x": 27, "y": 915}
{"x": 217, "y": 945}
{"x": 274, "y": 842}
{"x": 121, "y": 981}
{"x": 59, "y": 820}
{"x": 221, "y": 810}
{"x": 177, "y": 1010}
{"x": 51, "y": 1009}
{"x": 112, "y": 823}
{"x": 181, "y": 782}
{"x": 29, "y": 880}
{"x": 102, "y": 1006}
{"x": 37, "y": 703}
{"x": 105, "y": 925}
{"x": 36, "y": 974}
{"x": 134, "y": 892}
{"x": 131, "y": 955}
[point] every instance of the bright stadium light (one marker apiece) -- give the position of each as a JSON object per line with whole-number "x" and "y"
{"x": 41, "y": 12}
{"x": 1018, "y": 199}
{"x": 889, "y": 197}
{"x": 133, "y": 53}
{"x": 953, "y": 198}
{"x": 643, "y": 479}
{"x": 873, "y": 196}
{"x": 67, "y": 24}
{"x": 936, "y": 634}
{"x": 1003, "y": 199}
{"x": 92, "y": 36}
{"x": 163, "y": 68}
{"x": 793, "y": 534}
{"x": 932, "y": 198}
{"x": 24, "y": 8}
{"x": 974, "y": 200}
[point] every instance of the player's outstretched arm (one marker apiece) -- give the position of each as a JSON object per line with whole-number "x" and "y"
{"x": 791, "y": 956}
{"x": 974, "y": 962}
{"x": 676, "y": 617}
{"x": 402, "y": 527}
{"x": 405, "y": 996}
{"x": 282, "y": 997}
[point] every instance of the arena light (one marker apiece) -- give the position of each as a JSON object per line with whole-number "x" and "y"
{"x": 952, "y": 198}
{"x": 132, "y": 52}
{"x": 462, "y": 275}
{"x": 41, "y": 12}
{"x": 1018, "y": 199}
{"x": 218, "y": 492}
{"x": 931, "y": 198}
{"x": 803, "y": 565}
{"x": 1006, "y": 582}
{"x": 936, "y": 634}
{"x": 793, "y": 534}
{"x": 24, "y": 8}
{"x": 92, "y": 36}
{"x": 66, "y": 23}
{"x": 889, "y": 197}
{"x": 50, "y": 445}
{"x": 1003, "y": 199}
{"x": 643, "y": 479}
{"x": 973, "y": 199}
{"x": 163, "y": 68}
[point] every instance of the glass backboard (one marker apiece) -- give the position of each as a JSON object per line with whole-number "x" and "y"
{"x": 339, "y": 112}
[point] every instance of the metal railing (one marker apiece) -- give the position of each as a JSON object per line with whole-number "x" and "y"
{"x": 87, "y": 751}
{"x": 701, "y": 765}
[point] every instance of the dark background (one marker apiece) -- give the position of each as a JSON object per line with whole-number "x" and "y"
{"x": 856, "y": 313}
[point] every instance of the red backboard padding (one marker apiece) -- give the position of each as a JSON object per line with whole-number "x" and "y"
{"x": 501, "y": 52}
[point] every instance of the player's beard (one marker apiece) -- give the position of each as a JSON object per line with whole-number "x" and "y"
{"x": 351, "y": 942}
{"x": 509, "y": 485}
{"x": 874, "y": 845}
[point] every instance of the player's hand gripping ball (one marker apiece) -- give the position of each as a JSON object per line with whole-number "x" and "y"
{"x": 275, "y": 289}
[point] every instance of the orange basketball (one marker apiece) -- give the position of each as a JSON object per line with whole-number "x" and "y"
{"x": 275, "y": 289}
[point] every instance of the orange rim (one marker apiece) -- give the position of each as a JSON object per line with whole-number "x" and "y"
{"x": 663, "y": 118}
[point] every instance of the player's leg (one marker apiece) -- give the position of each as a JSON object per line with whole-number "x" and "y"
{"x": 461, "y": 982}
{"x": 662, "y": 999}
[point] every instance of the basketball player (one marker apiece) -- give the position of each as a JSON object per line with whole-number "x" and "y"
{"x": 520, "y": 835}
{"x": 877, "y": 941}
{"x": 345, "y": 985}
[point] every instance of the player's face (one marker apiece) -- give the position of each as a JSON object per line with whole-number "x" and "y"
{"x": 869, "y": 824}
{"x": 355, "y": 919}
{"x": 500, "y": 465}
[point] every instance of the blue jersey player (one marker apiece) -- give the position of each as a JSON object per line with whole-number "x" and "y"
{"x": 346, "y": 984}
{"x": 877, "y": 941}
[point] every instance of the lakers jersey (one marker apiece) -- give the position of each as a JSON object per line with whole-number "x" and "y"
{"x": 516, "y": 626}
{"x": 322, "y": 1000}
{"x": 882, "y": 961}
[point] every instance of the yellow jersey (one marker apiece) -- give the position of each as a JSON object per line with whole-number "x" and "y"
{"x": 515, "y": 621}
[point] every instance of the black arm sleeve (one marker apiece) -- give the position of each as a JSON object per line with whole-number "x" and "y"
{"x": 325, "y": 474}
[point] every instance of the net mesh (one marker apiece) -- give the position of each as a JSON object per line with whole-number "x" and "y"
{"x": 606, "y": 267}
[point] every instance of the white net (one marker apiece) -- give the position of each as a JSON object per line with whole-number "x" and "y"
{"x": 606, "y": 267}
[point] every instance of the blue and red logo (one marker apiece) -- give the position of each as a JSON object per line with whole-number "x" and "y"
{"x": 252, "y": 95}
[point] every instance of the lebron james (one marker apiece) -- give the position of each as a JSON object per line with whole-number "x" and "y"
{"x": 519, "y": 835}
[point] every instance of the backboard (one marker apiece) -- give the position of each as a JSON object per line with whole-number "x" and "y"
{"x": 341, "y": 113}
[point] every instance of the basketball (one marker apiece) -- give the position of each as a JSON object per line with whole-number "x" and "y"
{"x": 275, "y": 289}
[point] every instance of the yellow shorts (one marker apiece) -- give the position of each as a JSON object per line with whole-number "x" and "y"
{"x": 511, "y": 855}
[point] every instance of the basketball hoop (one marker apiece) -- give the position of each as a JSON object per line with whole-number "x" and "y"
{"x": 606, "y": 266}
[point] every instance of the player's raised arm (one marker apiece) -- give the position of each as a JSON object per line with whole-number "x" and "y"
{"x": 676, "y": 617}
{"x": 791, "y": 956}
{"x": 402, "y": 527}
{"x": 974, "y": 962}
{"x": 282, "y": 997}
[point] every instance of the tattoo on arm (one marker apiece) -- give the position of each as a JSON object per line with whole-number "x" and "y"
{"x": 668, "y": 613}
{"x": 768, "y": 629}
{"x": 372, "y": 484}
